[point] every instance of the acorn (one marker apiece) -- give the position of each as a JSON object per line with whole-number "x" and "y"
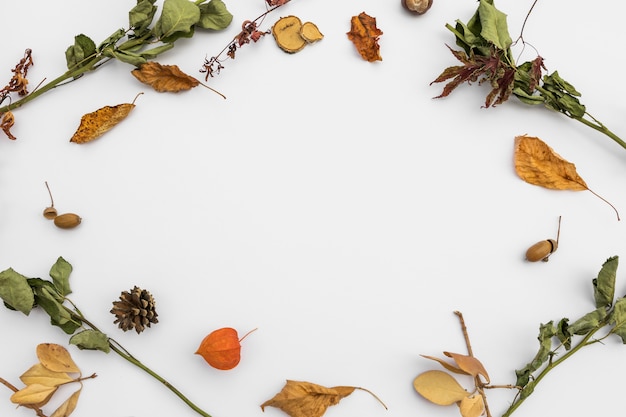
{"x": 67, "y": 220}
{"x": 417, "y": 6}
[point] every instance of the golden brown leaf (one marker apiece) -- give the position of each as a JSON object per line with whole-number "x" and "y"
{"x": 446, "y": 365}
{"x": 439, "y": 387}
{"x": 164, "y": 78}
{"x": 469, "y": 364}
{"x": 56, "y": 358}
{"x": 39, "y": 374}
{"x": 536, "y": 163}
{"x": 472, "y": 406}
{"x": 364, "y": 35}
{"x": 97, "y": 123}
{"x": 7, "y": 122}
{"x": 33, "y": 394}
{"x": 305, "y": 399}
{"x": 68, "y": 406}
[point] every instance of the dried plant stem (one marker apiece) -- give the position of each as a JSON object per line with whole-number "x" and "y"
{"x": 122, "y": 352}
{"x": 13, "y": 388}
{"x": 373, "y": 395}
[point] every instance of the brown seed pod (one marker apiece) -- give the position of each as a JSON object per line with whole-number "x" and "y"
{"x": 542, "y": 250}
{"x": 67, "y": 220}
{"x": 50, "y": 212}
{"x": 417, "y": 6}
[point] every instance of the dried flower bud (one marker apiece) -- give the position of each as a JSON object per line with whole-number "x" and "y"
{"x": 135, "y": 310}
{"x": 417, "y": 6}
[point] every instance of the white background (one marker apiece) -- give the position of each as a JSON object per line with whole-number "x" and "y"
{"x": 329, "y": 202}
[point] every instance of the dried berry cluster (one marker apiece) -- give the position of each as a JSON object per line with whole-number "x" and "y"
{"x": 18, "y": 84}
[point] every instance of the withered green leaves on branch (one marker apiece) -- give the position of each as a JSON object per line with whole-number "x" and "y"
{"x": 486, "y": 57}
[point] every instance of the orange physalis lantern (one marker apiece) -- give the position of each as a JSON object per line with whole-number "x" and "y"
{"x": 222, "y": 348}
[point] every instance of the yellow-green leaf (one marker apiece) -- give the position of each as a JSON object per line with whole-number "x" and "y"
{"x": 39, "y": 374}
{"x": 439, "y": 387}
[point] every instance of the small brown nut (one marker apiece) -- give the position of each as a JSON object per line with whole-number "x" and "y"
{"x": 67, "y": 220}
{"x": 50, "y": 213}
{"x": 417, "y": 6}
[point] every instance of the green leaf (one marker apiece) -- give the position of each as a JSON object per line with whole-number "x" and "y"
{"x": 546, "y": 333}
{"x": 112, "y": 39}
{"x": 52, "y": 289}
{"x": 493, "y": 25}
{"x": 60, "y": 274}
{"x": 16, "y": 292}
{"x": 91, "y": 340}
{"x": 588, "y": 322}
{"x": 127, "y": 57}
{"x": 83, "y": 48}
{"x": 214, "y": 15}
{"x": 59, "y": 316}
{"x": 177, "y": 18}
{"x": 140, "y": 17}
{"x": 604, "y": 284}
{"x": 618, "y": 319}
{"x": 563, "y": 333}
{"x": 154, "y": 52}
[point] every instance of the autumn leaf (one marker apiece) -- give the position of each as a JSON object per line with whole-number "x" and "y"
{"x": 472, "y": 406}
{"x": 164, "y": 78}
{"x": 364, "y": 35}
{"x": 439, "y": 387}
{"x": 469, "y": 364}
{"x": 305, "y": 399}
{"x": 68, "y": 406}
{"x": 33, "y": 394}
{"x": 56, "y": 358}
{"x": 538, "y": 164}
{"x": 7, "y": 122}
{"x": 39, "y": 374}
{"x": 95, "y": 124}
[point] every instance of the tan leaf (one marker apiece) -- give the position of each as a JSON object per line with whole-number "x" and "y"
{"x": 469, "y": 364}
{"x": 68, "y": 406}
{"x": 439, "y": 387}
{"x": 472, "y": 406}
{"x": 56, "y": 358}
{"x": 6, "y": 123}
{"x": 164, "y": 78}
{"x": 536, "y": 163}
{"x": 33, "y": 394}
{"x": 95, "y": 124}
{"x": 446, "y": 365}
{"x": 305, "y": 399}
{"x": 39, "y": 374}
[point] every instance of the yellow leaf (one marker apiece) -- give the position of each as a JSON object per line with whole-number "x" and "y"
{"x": 439, "y": 387}
{"x": 56, "y": 358}
{"x": 68, "y": 406}
{"x": 33, "y": 394}
{"x": 472, "y": 406}
{"x": 39, "y": 374}
{"x": 164, "y": 78}
{"x": 95, "y": 124}
{"x": 469, "y": 364}
{"x": 536, "y": 163}
{"x": 305, "y": 399}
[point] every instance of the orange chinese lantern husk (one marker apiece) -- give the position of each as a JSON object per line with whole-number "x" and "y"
{"x": 221, "y": 349}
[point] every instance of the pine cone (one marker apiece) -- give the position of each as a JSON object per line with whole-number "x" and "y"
{"x": 136, "y": 309}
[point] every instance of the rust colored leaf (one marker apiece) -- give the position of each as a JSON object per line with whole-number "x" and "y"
{"x": 56, "y": 358}
{"x": 536, "y": 163}
{"x": 7, "y": 122}
{"x": 95, "y": 124}
{"x": 469, "y": 364}
{"x": 305, "y": 399}
{"x": 164, "y": 78}
{"x": 439, "y": 387}
{"x": 472, "y": 406}
{"x": 364, "y": 35}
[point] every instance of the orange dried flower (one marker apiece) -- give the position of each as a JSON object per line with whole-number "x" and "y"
{"x": 222, "y": 348}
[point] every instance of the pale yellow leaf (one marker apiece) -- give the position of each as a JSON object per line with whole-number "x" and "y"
{"x": 537, "y": 164}
{"x": 68, "y": 406}
{"x": 56, "y": 358}
{"x": 39, "y": 374}
{"x": 469, "y": 364}
{"x": 472, "y": 406}
{"x": 33, "y": 394}
{"x": 446, "y": 365}
{"x": 439, "y": 387}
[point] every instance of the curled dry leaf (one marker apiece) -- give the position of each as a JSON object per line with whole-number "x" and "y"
{"x": 538, "y": 164}
{"x": 7, "y": 122}
{"x": 364, "y": 35}
{"x": 439, "y": 387}
{"x": 95, "y": 124}
{"x": 68, "y": 406}
{"x": 469, "y": 364}
{"x": 305, "y": 399}
{"x": 164, "y": 78}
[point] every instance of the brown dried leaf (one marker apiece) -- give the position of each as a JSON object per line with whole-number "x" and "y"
{"x": 35, "y": 394}
{"x": 469, "y": 364}
{"x": 364, "y": 35}
{"x": 446, "y": 365}
{"x": 39, "y": 374}
{"x": 56, "y": 358}
{"x": 7, "y": 122}
{"x": 538, "y": 164}
{"x": 68, "y": 406}
{"x": 439, "y": 387}
{"x": 95, "y": 124}
{"x": 472, "y": 406}
{"x": 305, "y": 399}
{"x": 164, "y": 78}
